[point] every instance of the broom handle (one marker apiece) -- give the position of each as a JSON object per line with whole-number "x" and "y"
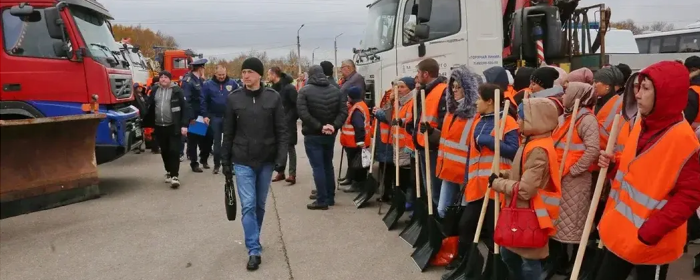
{"x": 396, "y": 136}
{"x": 428, "y": 184}
{"x": 499, "y": 126}
{"x": 415, "y": 150}
{"x": 594, "y": 203}
{"x": 569, "y": 136}
{"x": 374, "y": 147}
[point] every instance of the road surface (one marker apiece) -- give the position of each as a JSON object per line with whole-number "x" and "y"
{"x": 142, "y": 229}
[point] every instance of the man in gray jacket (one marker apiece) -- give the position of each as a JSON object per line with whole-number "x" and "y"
{"x": 352, "y": 78}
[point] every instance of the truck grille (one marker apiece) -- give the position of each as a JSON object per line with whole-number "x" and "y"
{"x": 120, "y": 85}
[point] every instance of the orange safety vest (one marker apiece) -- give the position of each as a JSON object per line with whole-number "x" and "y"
{"x": 347, "y": 132}
{"x": 432, "y": 102}
{"x": 696, "y": 121}
{"x": 406, "y": 115}
{"x": 622, "y": 136}
{"x": 642, "y": 187}
{"x": 454, "y": 148}
{"x": 480, "y": 164}
{"x": 606, "y": 116}
{"x": 547, "y": 200}
{"x": 510, "y": 94}
{"x": 385, "y": 128}
{"x": 576, "y": 147}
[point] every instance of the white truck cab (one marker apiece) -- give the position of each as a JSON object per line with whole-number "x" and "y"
{"x": 400, "y": 33}
{"x": 137, "y": 64}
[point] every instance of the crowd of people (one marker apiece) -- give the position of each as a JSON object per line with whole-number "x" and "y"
{"x": 551, "y": 146}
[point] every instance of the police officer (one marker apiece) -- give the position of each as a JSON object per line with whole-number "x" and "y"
{"x": 192, "y": 84}
{"x": 214, "y": 96}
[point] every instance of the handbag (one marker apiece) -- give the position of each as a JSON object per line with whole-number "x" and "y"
{"x": 230, "y": 197}
{"x": 519, "y": 227}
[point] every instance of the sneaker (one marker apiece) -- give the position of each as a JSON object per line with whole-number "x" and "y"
{"x": 174, "y": 183}
{"x": 168, "y": 178}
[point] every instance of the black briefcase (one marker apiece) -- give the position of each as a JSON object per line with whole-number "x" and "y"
{"x": 230, "y": 195}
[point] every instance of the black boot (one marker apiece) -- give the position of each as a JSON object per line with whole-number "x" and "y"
{"x": 551, "y": 263}
{"x": 461, "y": 254}
{"x": 253, "y": 263}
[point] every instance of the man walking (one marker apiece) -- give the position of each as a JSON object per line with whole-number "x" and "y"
{"x": 192, "y": 84}
{"x": 168, "y": 114}
{"x": 255, "y": 142}
{"x": 215, "y": 92}
{"x": 282, "y": 83}
{"x": 323, "y": 110}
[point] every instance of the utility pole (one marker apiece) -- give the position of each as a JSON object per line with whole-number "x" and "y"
{"x": 335, "y": 46}
{"x": 299, "y": 50}
{"x": 313, "y": 56}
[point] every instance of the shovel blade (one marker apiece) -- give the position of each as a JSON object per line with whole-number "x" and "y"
{"x": 368, "y": 190}
{"x": 469, "y": 268}
{"x": 427, "y": 249}
{"x": 398, "y": 207}
{"x": 411, "y": 233}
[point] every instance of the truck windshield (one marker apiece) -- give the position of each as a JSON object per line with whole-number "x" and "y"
{"x": 381, "y": 22}
{"x": 97, "y": 35}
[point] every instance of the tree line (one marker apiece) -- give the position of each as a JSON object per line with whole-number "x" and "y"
{"x": 638, "y": 29}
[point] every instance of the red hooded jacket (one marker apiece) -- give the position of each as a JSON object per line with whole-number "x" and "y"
{"x": 671, "y": 84}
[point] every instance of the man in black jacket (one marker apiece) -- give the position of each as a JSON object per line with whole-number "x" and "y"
{"x": 255, "y": 142}
{"x": 282, "y": 83}
{"x": 323, "y": 110}
{"x": 169, "y": 115}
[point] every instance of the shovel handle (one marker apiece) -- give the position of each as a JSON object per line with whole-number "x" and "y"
{"x": 396, "y": 136}
{"x": 428, "y": 185}
{"x": 499, "y": 126}
{"x": 569, "y": 136}
{"x": 415, "y": 151}
{"x": 374, "y": 147}
{"x": 594, "y": 203}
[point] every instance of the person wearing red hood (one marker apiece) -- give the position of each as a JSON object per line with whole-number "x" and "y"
{"x": 655, "y": 190}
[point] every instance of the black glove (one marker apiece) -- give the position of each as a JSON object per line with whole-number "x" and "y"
{"x": 492, "y": 178}
{"x": 279, "y": 168}
{"x": 426, "y": 127}
{"x": 227, "y": 170}
{"x": 397, "y": 122}
{"x": 409, "y": 127}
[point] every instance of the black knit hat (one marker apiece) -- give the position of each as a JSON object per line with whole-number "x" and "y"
{"x": 692, "y": 62}
{"x": 545, "y": 77}
{"x": 327, "y": 68}
{"x": 165, "y": 73}
{"x": 253, "y": 63}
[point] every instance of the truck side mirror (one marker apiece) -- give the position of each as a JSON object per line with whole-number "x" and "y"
{"x": 135, "y": 49}
{"x": 61, "y": 49}
{"x": 425, "y": 8}
{"x": 422, "y": 31}
{"x": 54, "y": 23}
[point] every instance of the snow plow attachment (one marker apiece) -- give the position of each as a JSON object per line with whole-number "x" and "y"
{"x": 47, "y": 162}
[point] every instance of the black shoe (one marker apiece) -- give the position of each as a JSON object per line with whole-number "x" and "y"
{"x": 206, "y": 166}
{"x": 345, "y": 182}
{"x": 354, "y": 188}
{"x": 313, "y": 196}
{"x": 253, "y": 263}
{"x": 314, "y": 192}
{"x": 315, "y": 206}
{"x": 216, "y": 170}
{"x": 196, "y": 169}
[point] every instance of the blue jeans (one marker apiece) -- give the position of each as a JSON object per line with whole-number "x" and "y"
{"x": 217, "y": 127}
{"x": 521, "y": 268}
{"x": 319, "y": 150}
{"x": 253, "y": 186}
{"x": 448, "y": 193}
{"x": 435, "y": 182}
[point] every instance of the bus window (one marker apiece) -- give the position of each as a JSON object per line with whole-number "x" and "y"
{"x": 669, "y": 44}
{"x": 655, "y": 45}
{"x": 643, "y": 45}
{"x": 690, "y": 43}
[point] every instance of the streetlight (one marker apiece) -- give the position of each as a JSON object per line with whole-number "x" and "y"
{"x": 313, "y": 57}
{"x": 335, "y": 46}
{"x": 299, "y": 50}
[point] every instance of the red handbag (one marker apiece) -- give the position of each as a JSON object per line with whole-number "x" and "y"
{"x": 519, "y": 227}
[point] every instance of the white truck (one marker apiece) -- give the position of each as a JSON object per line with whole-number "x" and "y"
{"x": 137, "y": 63}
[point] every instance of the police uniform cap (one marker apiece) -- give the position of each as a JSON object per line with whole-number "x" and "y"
{"x": 199, "y": 62}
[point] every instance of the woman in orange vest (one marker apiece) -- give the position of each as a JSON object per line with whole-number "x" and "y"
{"x": 479, "y": 163}
{"x": 451, "y": 167}
{"x": 354, "y": 136}
{"x": 406, "y": 91}
{"x": 499, "y": 76}
{"x": 576, "y": 178}
{"x": 655, "y": 190}
{"x": 536, "y": 174}
{"x": 692, "y": 113}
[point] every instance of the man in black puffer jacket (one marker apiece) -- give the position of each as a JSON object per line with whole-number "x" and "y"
{"x": 282, "y": 83}
{"x": 322, "y": 109}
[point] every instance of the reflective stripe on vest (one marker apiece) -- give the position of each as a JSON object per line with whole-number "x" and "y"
{"x": 576, "y": 147}
{"x": 347, "y": 131}
{"x": 641, "y": 187}
{"x": 432, "y": 102}
{"x": 385, "y": 130}
{"x": 696, "y": 121}
{"x": 548, "y": 199}
{"x": 480, "y": 163}
{"x": 454, "y": 147}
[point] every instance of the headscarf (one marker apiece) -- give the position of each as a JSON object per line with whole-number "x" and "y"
{"x": 578, "y": 90}
{"x": 583, "y": 75}
{"x": 609, "y": 76}
{"x": 563, "y": 77}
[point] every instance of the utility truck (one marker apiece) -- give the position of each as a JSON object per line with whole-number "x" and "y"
{"x": 175, "y": 61}
{"x": 477, "y": 33}
{"x": 137, "y": 64}
{"x": 59, "y": 58}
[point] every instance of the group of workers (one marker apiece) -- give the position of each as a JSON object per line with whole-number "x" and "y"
{"x": 552, "y": 146}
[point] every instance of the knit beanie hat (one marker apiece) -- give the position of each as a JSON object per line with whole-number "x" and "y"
{"x": 165, "y": 73}
{"x": 609, "y": 76}
{"x": 544, "y": 77}
{"x": 327, "y": 67}
{"x": 354, "y": 93}
{"x": 626, "y": 72}
{"x": 692, "y": 62}
{"x": 409, "y": 81}
{"x": 253, "y": 63}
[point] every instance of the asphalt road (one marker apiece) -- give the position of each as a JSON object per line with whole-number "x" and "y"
{"x": 141, "y": 229}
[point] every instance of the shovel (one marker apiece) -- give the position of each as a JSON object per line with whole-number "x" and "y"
{"x": 497, "y": 267}
{"x": 591, "y": 211}
{"x": 426, "y": 250}
{"x": 230, "y": 193}
{"x": 370, "y": 184}
{"x": 337, "y": 183}
{"x": 398, "y": 199}
{"x": 412, "y": 231}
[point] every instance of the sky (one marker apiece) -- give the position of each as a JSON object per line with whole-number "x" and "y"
{"x": 227, "y": 28}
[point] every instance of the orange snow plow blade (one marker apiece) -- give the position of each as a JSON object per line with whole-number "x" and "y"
{"x": 47, "y": 162}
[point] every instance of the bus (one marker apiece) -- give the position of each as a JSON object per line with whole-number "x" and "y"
{"x": 685, "y": 40}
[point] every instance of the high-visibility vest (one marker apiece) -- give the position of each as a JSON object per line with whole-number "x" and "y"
{"x": 406, "y": 115}
{"x": 454, "y": 148}
{"x": 622, "y": 136}
{"x": 548, "y": 199}
{"x": 347, "y": 132}
{"x": 576, "y": 147}
{"x": 642, "y": 186}
{"x": 432, "y": 102}
{"x": 696, "y": 121}
{"x": 385, "y": 128}
{"x": 606, "y": 116}
{"x": 480, "y": 163}
{"x": 510, "y": 93}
